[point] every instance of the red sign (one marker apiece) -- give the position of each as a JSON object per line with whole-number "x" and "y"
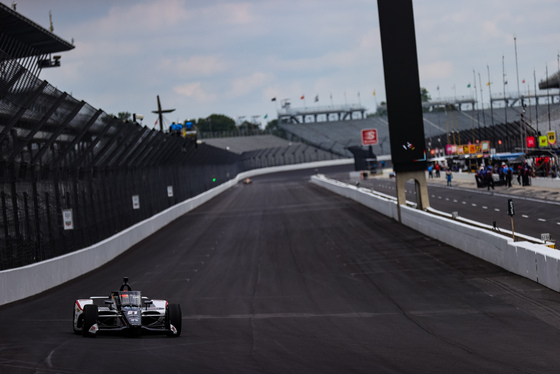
{"x": 530, "y": 142}
{"x": 369, "y": 137}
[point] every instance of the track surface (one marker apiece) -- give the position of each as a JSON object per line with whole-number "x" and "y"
{"x": 283, "y": 277}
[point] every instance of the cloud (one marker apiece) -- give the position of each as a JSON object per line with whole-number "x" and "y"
{"x": 436, "y": 70}
{"x": 371, "y": 40}
{"x": 233, "y": 56}
{"x": 194, "y": 90}
{"x": 140, "y": 19}
{"x": 196, "y": 65}
{"x": 243, "y": 85}
{"x": 344, "y": 59}
{"x": 237, "y": 13}
{"x": 490, "y": 29}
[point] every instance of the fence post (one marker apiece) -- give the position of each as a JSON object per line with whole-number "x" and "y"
{"x": 37, "y": 236}
{"x": 4, "y": 257}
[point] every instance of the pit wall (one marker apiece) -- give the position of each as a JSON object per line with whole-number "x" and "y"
{"x": 26, "y": 281}
{"x": 533, "y": 261}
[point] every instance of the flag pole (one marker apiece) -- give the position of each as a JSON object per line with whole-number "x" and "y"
{"x": 536, "y": 99}
{"x": 504, "y": 81}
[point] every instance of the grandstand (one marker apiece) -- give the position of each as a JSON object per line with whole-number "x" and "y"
{"x": 440, "y": 128}
{"x": 268, "y": 150}
{"x": 243, "y": 144}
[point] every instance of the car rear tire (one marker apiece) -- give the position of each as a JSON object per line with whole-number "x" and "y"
{"x": 90, "y": 318}
{"x": 175, "y": 318}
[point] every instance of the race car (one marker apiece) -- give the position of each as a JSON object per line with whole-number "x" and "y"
{"x": 126, "y": 310}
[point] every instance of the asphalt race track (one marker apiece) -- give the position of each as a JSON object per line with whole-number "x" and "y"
{"x": 284, "y": 277}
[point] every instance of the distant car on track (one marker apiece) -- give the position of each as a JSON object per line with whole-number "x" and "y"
{"x": 247, "y": 181}
{"x": 126, "y": 310}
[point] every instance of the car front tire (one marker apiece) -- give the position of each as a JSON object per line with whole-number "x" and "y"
{"x": 90, "y": 318}
{"x": 175, "y": 318}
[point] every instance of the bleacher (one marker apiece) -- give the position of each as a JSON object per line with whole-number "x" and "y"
{"x": 241, "y": 144}
{"x": 337, "y": 136}
{"x": 268, "y": 150}
{"x": 436, "y": 123}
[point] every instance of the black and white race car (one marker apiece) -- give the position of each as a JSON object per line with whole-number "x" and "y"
{"x": 126, "y": 310}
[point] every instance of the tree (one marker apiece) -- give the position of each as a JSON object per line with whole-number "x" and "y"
{"x": 273, "y": 128}
{"x": 216, "y": 123}
{"x": 249, "y": 126}
{"x": 425, "y": 95}
{"x": 124, "y": 116}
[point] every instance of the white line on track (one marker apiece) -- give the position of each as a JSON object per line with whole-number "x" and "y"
{"x": 542, "y": 219}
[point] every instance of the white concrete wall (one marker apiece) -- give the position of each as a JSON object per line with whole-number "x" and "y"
{"x": 22, "y": 282}
{"x": 533, "y": 261}
{"x": 546, "y": 182}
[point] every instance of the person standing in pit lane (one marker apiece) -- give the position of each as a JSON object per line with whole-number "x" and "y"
{"x": 509, "y": 175}
{"x": 489, "y": 178}
{"x": 448, "y": 176}
{"x": 526, "y": 173}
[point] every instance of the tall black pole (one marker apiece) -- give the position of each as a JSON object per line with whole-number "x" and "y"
{"x": 402, "y": 85}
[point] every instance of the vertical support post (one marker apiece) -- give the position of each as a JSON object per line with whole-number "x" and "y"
{"x": 404, "y": 100}
{"x": 37, "y": 219}
{"x": 5, "y": 263}
{"x": 419, "y": 178}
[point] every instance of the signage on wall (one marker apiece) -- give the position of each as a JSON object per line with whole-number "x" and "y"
{"x": 369, "y": 137}
{"x": 68, "y": 219}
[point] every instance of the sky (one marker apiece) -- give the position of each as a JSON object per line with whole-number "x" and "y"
{"x": 233, "y": 57}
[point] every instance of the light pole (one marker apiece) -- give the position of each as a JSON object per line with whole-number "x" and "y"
{"x": 516, "y": 67}
{"x": 505, "y": 101}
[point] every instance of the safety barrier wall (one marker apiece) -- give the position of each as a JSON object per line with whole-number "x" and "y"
{"x": 533, "y": 261}
{"x": 26, "y": 281}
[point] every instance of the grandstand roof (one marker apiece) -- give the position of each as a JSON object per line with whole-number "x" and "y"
{"x": 29, "y": 33}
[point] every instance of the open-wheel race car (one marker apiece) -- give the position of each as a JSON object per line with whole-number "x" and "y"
{"x": 126, "y": 310}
